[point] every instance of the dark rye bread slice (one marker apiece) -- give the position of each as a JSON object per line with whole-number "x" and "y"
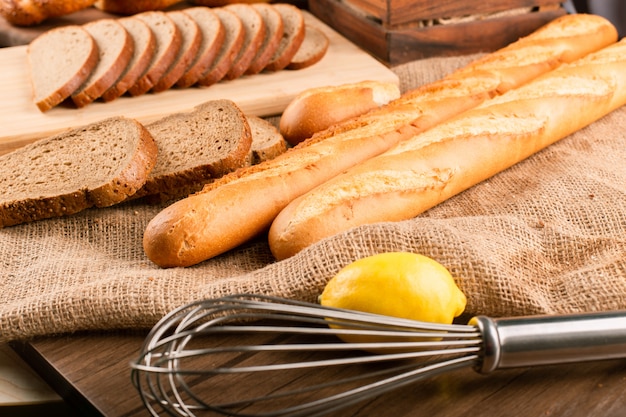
{"x": 60, "y": 60}
{"x": 144, "y": 48}
{"x": 254, "y": 34}
{"x": 293, "y": 36}
{"x": 212, "y": 37}
{"x": 233, "y": 40}
{"x": 115, "y": 48}
{"x": 191, "y": 38}
{"x": 267, "y": 142}
{"x": 273, "y": 34}
{"x": 196, "y": 147}
{"x": 168, "y": 40}
{"x": 99, "y": 165}
{"x": 312, "y": 50}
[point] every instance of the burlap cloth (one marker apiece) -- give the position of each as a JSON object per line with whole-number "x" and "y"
{"x": 546, "y": 236}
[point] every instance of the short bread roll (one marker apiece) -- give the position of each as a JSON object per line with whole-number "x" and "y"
{"x": 433, "y": 166}
{"x": 316, "y": 109}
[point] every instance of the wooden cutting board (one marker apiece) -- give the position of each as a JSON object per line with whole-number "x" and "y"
{"x": 263, "y": 94}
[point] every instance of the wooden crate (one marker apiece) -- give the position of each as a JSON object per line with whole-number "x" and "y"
{"x": 398, "y": 31}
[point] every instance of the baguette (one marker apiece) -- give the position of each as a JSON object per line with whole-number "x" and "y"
{"x": 33, "y": 12}
{"x": 239, "y": 206}
{"x": 433, "y": 166}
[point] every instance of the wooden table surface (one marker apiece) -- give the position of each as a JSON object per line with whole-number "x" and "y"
{"x": 92, "y": 372}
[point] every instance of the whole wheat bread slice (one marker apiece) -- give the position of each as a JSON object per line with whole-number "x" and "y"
{"x": 212, "y": 37}
{"x": 144, "y": 49}
{"x": 267, "y": 142}
{"x": 115, "y": 48}
{"x": 190, "y": 44}
{"x": 168, "y": 40}
{"x": 273, "y": 34}
{"x": 233, "y": 40}
{"x": 293, "y": 36}
{"x": 312, "y": 50}
{"x": 99, "y": 165}
{"x": 196, "y": 147}
{"x": 60, "y": 60}
{"x": 254, "y": 34}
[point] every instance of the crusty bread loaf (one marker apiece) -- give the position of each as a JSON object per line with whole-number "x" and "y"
{"x": 254, "y": 34}
{"x": 99, "y": 165}
{"x": 125, "y": 7}
{"x": 233, "y": 40}
{"x": 60, "y": 60}
{"x": 433, "y": 166}
{"x": 33, "y": 12}
{"x": 212, "y": 37}
{"x": 273, "y": 34}
{"x": 316, "y": 109}
{"x": 220, "y": 217}
{"x": 293, "y": 36}
{"x": 144, "y": 46}
{"x": 312, "y": 50}
{"x": 115, "y": 48}
{"x": 267, "y": 142}
{"x": 196, "y": 147}
{"x": 168, "y": 41}
{"x": 191, "y": 36}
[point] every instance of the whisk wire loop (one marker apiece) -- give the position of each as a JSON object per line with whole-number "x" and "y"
{"x": 168, "y": 371}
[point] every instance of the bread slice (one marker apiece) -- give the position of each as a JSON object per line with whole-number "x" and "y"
{"x": 293, "y": 36}
{"x": 212, "y": 37}
{"x": 191, "y": 38}
{"x": 267, "y": 142}
{"x": 168, "y": 41}
{"x": 196, "y": 147}
{"x": 99, "y": 165}
{"x": 254, "y": 34}
{"x": 115, "y": 51}
{"x": 233, "y": 41}
{"x": 60, "y": 60}
{"x": 143, "y": 51}
{"x": 273, "y": 34}
{"x": 312, "y": 50}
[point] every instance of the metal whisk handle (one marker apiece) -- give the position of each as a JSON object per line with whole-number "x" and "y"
{"x": 542, "y": 340}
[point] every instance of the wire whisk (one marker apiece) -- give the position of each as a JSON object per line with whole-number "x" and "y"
{"x": 252, "y": 355}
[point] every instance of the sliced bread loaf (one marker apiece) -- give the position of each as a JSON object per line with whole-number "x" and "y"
{"x": 100, "y": 164}
{"x": 233, "y": 40}
{"x": 312, "y": 50}
{"x": 212, "y": 37}
{"x": 254, "y": 34}
{"x": 196, "y": 147}
{"x": 293, "y": 36}
{"x": 168, "y": 40}
{"x": 143, "y": 51}
{"x": 115, "y": 48}
{"x": 273, "y": 34}
{"x": 60, "y": 60}
{"x": 267, "y": 142}
{"x": 191, "y": 38}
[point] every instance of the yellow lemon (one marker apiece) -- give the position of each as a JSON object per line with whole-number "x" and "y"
{"x": 398, "y": 284}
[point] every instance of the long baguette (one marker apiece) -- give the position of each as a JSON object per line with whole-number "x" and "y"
{"x": 240, "y": 206}
{"x": 429, "y": 168}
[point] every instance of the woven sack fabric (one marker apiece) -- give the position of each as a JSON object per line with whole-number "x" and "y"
{"x": 545, "y": 236}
